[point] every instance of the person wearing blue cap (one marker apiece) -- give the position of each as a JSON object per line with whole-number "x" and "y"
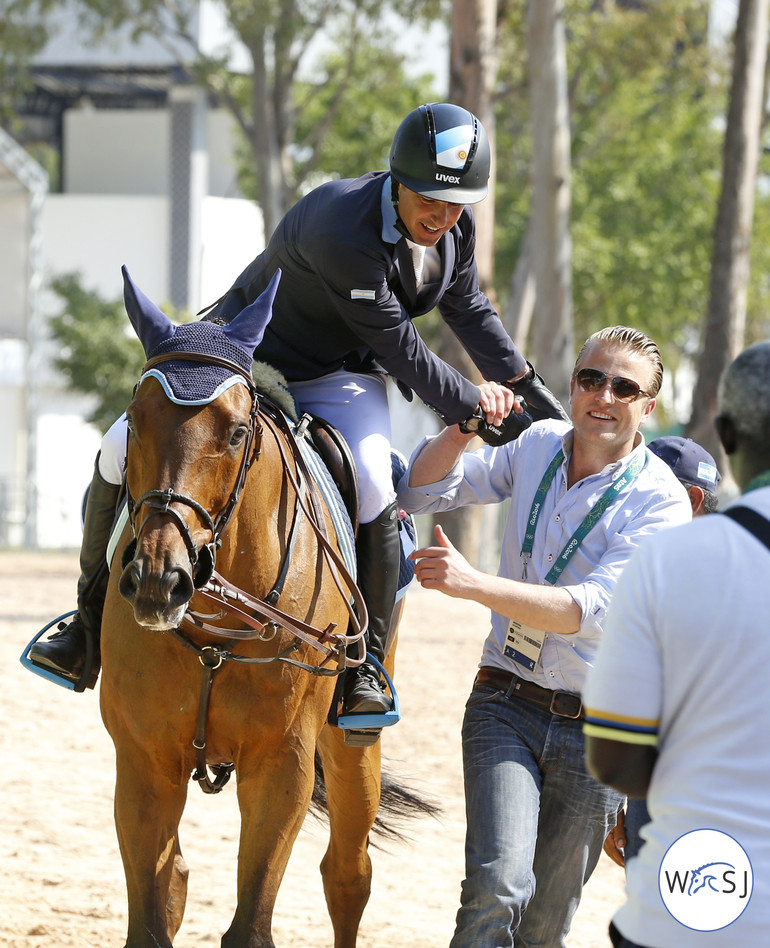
{"x": 694, "y": 467}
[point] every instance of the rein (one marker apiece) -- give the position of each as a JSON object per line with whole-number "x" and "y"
{"x": 259, "y": 618}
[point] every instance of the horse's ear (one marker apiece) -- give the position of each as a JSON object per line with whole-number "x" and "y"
{"x": 150, "y": 323}
{"x": 248, "y": 327}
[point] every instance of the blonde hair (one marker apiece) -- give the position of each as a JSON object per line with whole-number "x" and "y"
{"x": 636, "y": 341}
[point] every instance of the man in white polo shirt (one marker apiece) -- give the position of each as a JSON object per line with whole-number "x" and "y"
{"x": 674, "y": 704}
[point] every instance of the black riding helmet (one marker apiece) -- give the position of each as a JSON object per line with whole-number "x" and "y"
{"x": 442, "y": 152}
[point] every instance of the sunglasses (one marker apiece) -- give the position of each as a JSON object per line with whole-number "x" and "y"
{"x": 624, "y": 390}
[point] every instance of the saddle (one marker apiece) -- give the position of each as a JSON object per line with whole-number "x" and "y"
{"x": 324, "y": 437}
{"x": 336, "y": 455}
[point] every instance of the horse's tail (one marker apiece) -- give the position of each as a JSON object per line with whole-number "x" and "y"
{"x": 398, "y": 804}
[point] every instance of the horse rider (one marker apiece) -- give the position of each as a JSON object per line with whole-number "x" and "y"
{"x": 361, "y": 258}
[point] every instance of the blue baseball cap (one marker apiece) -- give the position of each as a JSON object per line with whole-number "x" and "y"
{"x": 688, "y": 460}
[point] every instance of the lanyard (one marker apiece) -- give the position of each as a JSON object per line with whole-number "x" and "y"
{"x": 589, "y": 522}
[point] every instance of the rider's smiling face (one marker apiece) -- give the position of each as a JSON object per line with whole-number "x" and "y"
{"x": 426, "y": 220}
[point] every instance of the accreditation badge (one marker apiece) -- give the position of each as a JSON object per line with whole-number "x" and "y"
{"x": 523, "y": 644}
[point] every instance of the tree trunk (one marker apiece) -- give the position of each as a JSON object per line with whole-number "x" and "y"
{"x": 264, "y": 141}
{"x": 521, "y": 303}
{"x": 724, "y": 326}
{"x": 552, "y": 331}
{"x": 472, "y": 73}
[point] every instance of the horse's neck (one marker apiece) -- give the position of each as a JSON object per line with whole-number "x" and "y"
{"x": 258, "y": 533}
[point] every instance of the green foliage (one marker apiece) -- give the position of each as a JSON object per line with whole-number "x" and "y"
{"x": 647, "y": 106}
{"x": 345, "y": 142}
{"x": 758, "y": 303}
{"x": 343, "y": 110}
{"x": 99, "y": 354}
{"x": 360, "y": 134}
{"x": 24, "y": 31}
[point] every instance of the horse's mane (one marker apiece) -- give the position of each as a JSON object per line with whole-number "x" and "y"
{"x": 271, "y": 382}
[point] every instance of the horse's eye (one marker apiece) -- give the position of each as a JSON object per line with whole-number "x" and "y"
{"x": 239, "y": 434}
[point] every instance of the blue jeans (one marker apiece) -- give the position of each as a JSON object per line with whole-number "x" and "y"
{"x": 536, "y": 822}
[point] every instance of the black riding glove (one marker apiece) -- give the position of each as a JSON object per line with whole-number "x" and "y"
{"x": 541, "y": 402}
{"x": 509, "y": 430}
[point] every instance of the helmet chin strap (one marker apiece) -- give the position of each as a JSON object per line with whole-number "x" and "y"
{"x": 400, "y": 225}
{"x": 401, "y": 228}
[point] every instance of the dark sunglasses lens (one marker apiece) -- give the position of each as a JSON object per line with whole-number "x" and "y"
{"x": 591, "y": 380}
{"x": 625, "y": 389}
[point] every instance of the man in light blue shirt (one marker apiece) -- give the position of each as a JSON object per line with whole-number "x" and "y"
{"x": 582, "y": 498}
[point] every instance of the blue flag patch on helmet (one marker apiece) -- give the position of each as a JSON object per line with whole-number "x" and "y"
{"x": 453, "y": 146}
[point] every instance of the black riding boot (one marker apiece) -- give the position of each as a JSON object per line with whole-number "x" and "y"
{"x": 378, "y": 550}
{"x": 66, "y": 651}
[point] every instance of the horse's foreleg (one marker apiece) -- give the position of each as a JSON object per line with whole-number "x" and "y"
{"x": 177, "y": 891}
{"x": 148, "y": 808}
{"x": 274, "y": 790}
{"x": 352, "y": 777}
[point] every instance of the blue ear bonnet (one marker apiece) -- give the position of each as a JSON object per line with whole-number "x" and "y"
{"x": 198, "y": 383}
{"x": 187, "y": 381}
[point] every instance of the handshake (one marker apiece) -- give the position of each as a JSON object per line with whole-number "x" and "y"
{"x": 534, "y": 397}
{"x": 510, "y": 428}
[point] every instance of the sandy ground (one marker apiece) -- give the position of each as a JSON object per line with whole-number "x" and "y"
{"x": 61, "y": 878}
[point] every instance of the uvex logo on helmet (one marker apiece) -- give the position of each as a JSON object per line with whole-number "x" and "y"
{"x": 448, "y": 178}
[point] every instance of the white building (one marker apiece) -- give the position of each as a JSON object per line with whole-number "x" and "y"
{"x": 147, "y": 180}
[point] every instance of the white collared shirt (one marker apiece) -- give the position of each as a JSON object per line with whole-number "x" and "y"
{"x": 654, "y": 501}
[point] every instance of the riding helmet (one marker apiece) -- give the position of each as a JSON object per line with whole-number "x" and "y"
{"x": 442, "y": 152}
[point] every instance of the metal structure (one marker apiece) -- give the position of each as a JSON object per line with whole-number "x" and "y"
{"x": 27, "y": 174}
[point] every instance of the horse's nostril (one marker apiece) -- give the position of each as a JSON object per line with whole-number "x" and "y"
{"x": 129, "y": 581}
{"x": 178, "y": 586}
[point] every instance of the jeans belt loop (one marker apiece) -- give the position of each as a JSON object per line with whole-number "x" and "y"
{"x": 511, "y": 689}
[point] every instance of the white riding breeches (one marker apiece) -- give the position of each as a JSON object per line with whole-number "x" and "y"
{"x": 355, "y": 403}
{"x": 112, "y": 456}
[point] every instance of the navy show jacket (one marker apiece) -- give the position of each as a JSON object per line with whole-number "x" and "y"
{"x": 347, "y": 298}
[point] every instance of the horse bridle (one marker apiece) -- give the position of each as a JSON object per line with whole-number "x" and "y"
{"x": 261, "y": 616}
{"x": 203, "y": 560}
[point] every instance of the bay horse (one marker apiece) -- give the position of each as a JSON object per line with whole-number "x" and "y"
{"x": 210, "y": 483}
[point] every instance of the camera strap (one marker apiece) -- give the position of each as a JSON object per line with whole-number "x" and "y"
{"x": 752, "y": 521}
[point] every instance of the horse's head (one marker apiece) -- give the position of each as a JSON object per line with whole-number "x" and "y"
{"x": 192, "y": 434}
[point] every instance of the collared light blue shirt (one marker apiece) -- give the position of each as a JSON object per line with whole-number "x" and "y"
{"x": 654, "y": 501}
{"x": 389, "y": 233}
